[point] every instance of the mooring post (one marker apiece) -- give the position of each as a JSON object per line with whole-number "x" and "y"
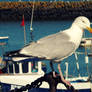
{"x": 52, "y": 83}
{"x": 52, "y": 88}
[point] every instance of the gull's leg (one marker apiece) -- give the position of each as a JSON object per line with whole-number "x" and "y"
{"x": 51, "y": 65}
{"x": 62, "y": 78}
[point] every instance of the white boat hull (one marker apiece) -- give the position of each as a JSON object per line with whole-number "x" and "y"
{"x": 19, "y": 80}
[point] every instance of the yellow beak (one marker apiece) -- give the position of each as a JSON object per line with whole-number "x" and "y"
{"x": 89, "y": 29}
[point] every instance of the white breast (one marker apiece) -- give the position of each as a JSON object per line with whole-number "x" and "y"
{"x": 75, "y": 35}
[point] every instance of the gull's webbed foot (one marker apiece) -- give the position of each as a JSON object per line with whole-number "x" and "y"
{"x": 67, "y": 82}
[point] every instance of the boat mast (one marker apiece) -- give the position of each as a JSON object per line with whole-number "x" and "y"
{"x": 31, "y": 24}
{"x": 24, "y": 36}
{"x": 86, "y": 57}
{"x": 23, "y": 24}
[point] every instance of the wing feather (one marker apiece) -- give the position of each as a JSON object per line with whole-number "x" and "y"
{"x": 55, "y": 46}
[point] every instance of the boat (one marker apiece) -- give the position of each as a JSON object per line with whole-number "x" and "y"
{"x": 3, "y": 43}
{"x": 86, "y": 42}
{"x": 17, "y": 75}
{"x": 4, "y": 39}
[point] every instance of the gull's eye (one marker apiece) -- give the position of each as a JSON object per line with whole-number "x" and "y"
{"x": 83, "y": 21}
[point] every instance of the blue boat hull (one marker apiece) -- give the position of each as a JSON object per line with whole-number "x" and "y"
{"x": 47, "y": 90}
{"x": 3, "y": 40}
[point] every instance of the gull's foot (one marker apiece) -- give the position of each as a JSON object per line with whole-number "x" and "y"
{"x": 67, "y": 83}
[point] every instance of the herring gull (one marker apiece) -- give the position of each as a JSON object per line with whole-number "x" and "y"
{"x": 59, "y": 46}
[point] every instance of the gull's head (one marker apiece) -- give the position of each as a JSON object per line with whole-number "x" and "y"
{"x": 83, "y": 23}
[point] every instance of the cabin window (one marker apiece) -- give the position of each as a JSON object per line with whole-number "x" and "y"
{"x": 10, "y": 68}
{"x": 34, "y": 66}
{"x": 25, "y": 67}
{"x": 16, "y": 68}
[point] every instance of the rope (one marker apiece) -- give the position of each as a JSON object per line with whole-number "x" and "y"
{"x": 36, "y": 84}
{"x": 47, "y": 78}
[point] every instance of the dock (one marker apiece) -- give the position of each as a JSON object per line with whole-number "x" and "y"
{"x": 59, "y": 10}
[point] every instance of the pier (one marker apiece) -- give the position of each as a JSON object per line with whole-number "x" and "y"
{"x": 45, "y": 10}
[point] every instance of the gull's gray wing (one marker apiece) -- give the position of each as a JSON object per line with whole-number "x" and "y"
{"x": 56, "y": 46}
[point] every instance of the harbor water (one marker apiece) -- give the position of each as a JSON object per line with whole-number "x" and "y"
{"x": 15, "y": 31}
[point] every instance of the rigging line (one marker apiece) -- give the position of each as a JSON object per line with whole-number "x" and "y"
{"x": 86, "y": 58}
{"x": 31, "y": 24}
{"x": 32, "y": 13}
{"x": 77, "y": 63}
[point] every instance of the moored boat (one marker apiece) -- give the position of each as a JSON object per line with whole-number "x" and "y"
{"x": 17, "y": 76}
{"x": 4, "y": 39}
{"x": 86, "y": 42}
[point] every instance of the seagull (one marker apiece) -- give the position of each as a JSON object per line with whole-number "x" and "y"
{"x": 56, "y": 47}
